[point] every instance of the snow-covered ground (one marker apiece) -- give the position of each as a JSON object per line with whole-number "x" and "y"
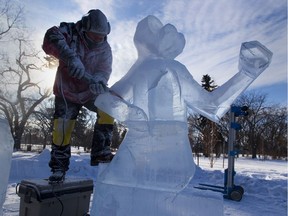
{"x": 264, "y": 182}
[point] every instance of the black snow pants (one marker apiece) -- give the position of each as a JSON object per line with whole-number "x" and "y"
{"x": 65, "y": 116}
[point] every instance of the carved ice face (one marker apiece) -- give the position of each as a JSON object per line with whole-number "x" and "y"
{"x": 151, "y": 37}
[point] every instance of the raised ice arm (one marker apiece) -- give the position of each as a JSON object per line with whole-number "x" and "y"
{"x": 254, "y": 58}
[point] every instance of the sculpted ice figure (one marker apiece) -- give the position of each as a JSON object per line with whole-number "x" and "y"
{"x": 156, "y": 92}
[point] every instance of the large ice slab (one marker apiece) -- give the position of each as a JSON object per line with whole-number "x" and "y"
{"x": 154, "y": 155}
{"x": 143, "y": 202}
{"x": 6, "y": 149}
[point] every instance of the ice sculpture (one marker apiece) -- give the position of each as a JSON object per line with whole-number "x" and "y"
{"x": 153, "y": 166}
{"x": 6, "y": 149}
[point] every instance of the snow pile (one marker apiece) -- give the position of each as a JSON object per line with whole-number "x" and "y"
{"x": 264, "y": 182}
{"x": 154, "y": 161}
{"x": 6, "y": 148}
{"x": 28, "y": 165}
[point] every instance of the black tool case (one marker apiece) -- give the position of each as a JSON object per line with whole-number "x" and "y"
{"x": 70, "y": 198}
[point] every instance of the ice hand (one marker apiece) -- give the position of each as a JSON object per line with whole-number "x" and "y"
{"x": 98, "y": 88}
{"x": 254, "y": 58}
{"x": 76, "y": 68}
{"x": 119, "y": 108}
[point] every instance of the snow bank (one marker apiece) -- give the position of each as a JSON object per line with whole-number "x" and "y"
{"x": 264, "y": 182}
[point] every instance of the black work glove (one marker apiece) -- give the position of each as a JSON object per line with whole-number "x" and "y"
{"x": 98, "y": 88}
{"x": 76, "y": 68}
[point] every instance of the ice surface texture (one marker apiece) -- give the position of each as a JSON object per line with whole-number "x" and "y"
{"x": 6, "y": 149}
{"x": 155, "y": 93}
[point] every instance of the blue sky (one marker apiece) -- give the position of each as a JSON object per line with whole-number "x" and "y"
{"x": 213, "y": 29}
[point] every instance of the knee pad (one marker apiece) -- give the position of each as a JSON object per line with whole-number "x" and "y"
{"x": 104, "y": 118}
{"x": 62, "y": 130}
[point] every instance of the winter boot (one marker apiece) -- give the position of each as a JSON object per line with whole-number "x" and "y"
{"x": 106, "y": 158}
{"x": 57, "y": 177}
{"x": 101, "y": 151}
{"x": 59, "y": 163}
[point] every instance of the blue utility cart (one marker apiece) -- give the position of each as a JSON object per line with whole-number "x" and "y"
{"x": 230, "y": 190}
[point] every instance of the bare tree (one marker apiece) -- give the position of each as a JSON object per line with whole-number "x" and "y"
{"x": 252, "y": 129}
{"x": 11, "y": 16}
{"x": 195, "y": 136}
{"x": 43, "y": 121}
{"x": 82, "y": 126}
{"x": 19, "y": 95}
{"x": 274, "y": 138}
{"x": 264, "y": 130}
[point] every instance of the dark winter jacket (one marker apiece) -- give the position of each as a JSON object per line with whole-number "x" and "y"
{"x": 97, "y": 61}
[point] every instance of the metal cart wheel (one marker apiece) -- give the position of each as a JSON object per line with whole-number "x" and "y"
{"x": 236, "y": 195}
{"x": 239, "y": 188}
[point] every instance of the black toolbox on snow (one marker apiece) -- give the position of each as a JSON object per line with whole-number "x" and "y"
{"x": 70, "y": 198}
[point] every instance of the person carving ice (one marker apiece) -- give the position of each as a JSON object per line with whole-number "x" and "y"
{"x": 156, "y": 91}
{"x": 83, "y": 50}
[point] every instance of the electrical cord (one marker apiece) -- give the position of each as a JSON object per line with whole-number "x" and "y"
{"x": 59, "y": 200}
{"x": 62, "y": 143}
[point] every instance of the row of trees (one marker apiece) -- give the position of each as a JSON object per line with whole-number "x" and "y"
{"x": 29, "y": 108}
{"x": 264, "y": 130}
